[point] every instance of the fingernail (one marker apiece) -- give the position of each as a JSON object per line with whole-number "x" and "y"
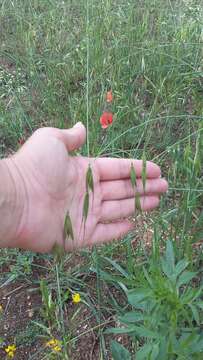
{"x": 78, "y": 124}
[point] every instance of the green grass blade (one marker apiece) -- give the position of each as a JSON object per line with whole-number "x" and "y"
{"x": 144, "y": 170}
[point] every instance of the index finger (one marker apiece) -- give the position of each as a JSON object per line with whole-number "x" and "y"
{"x": 115, "y": 169}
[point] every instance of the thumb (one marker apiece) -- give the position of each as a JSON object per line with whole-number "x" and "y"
{"x": 75, "y": 137}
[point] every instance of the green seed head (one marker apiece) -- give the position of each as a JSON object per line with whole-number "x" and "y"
{"x": 68, "y": 228}
{"x": 133, "y": 175}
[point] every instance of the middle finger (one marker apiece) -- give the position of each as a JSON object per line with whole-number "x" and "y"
{"x": 122, "y": 189}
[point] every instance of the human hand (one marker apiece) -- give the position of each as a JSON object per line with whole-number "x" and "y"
{"x": 54, "y": 183}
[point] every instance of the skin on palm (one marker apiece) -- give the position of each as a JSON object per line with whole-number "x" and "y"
{"x": 54, "y": 184}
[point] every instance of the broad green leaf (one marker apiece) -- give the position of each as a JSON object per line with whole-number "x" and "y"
{"x": 198, "y": 347}
{"x": 138, "y": 295}
{"x": 155, "y": 352}
{"x": 141, "y": 331}
{"x": 166, "y": 268}
{"x": 195, "y": 313}
{"x": 185, "y": 278}
{"x": 133, "y": 175}
{"x": 170, "y": 255}
{"x": 188, "y": 341}
{"x": 122, "y": 330}
{"x": 132, "y": 317}
{"x": 168, "y": 261}
{"x": 200, "y": 304}
{"x": 197, "y": 293}
{"x": 68, "y": 228}
{"x": 181, "y": 266}
{"x": 191, "y": 294}
{"x": 144, "y": 352}
{"x": 162, "y": 349}
{"x": 119, "y": 352}
{"x": 188, "y": 296}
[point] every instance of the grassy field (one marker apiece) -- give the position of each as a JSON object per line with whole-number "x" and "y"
{"x": 142, "y": 297}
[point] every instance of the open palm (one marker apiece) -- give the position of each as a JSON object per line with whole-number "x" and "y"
{"x": 55, "y": 185}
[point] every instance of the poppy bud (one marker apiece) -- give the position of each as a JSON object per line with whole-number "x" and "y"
{"x": 21, "y": 141}
{"x": 109, "y": 96}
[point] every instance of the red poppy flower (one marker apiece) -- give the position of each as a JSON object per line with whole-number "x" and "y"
{"x": 109, "y": 96}
{"x": 106, "y": 119}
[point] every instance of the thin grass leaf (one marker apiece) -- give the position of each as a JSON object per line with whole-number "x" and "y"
{"x": 44, "y": 292}
{"x": 89, "y": 180}
{"x": 133, "y": 176}
{"x": 117, "y": 267}
{"x": 197, "y": 158}
{"x": 68, "y": 228}
{"x": 85, "y": 206}
{"x": 187, "y": 153}
{"x": 43, "y": 327}
{"x": 144, "y": 170}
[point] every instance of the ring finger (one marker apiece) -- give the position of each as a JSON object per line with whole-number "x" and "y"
{"x": 114, "y": 210}
{"x": 122, "y": 189}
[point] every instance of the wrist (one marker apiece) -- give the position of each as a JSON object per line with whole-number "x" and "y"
{"x": 12, "y": 203}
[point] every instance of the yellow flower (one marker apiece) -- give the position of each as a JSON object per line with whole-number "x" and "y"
{"x": 76, "y": 298}
{"x": 54, "y": 344}
{"x": 10, "y": 350}
{"x": 57, "y": 348}
{"x": 51, "y": 342}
